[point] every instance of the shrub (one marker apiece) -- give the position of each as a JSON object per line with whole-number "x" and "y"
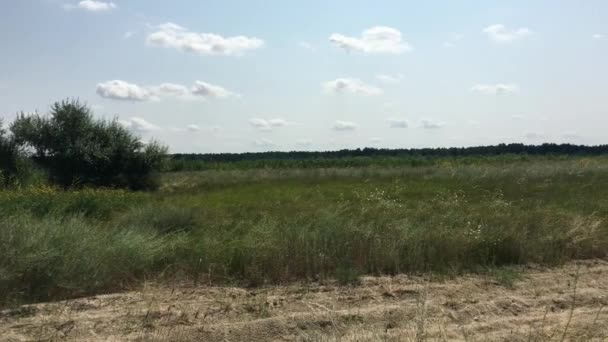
{"x": 14, "y": 167}
{"x": 76, "y": 149}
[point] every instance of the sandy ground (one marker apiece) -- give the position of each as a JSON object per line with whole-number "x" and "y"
{"x": 562, "y": 304}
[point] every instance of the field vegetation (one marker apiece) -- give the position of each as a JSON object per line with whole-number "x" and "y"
{"x": 261, "y": 226}
{"x": 86, "y": 208}
{"x": 71, "y": 223}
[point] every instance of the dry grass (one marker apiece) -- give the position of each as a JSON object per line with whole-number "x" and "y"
{"x": 561, "y": 304}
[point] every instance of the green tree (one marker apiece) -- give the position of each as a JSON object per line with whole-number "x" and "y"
{"x": 13, "y": 166}
{"x": 76, "y": 149}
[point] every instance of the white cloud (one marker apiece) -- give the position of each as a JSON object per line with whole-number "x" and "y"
{"x": 264, "y": 143}
{"x": 138, "y": 124}
{"x": 376, "y": 40}
{"x": 267, "y": 125}
{"x": 121, "y": 90}
{"x": 170, "y": 35}
{"x": 171, "y": 89}
{"x": 128, "y": 34}
{"x": 598, "y": 36}
{"x": 501, "y": 34}
{"x": 495, "y": 89}
{"x": 345, "y": 126}
{"x": 398, "y": 123}
{"x": 193, "y": 128}
{"x": 351, "y": 85}
{"x": 92, "y": 6}
{"x": 389, "y": 79}
{"x": 431, "y": 124}
{"x": 277, "y": 122}
{"x": 205, "y": 89}
{"x": 260, "y": 124}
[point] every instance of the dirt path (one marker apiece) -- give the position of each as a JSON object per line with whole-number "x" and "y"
{"x": 402, "y": 308}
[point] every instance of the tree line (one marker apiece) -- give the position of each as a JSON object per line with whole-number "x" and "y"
{"x": 372, "y": 156}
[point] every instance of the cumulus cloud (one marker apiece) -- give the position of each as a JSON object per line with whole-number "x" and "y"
{"x": 495, "y": 89}
{"x": 375, "y": 40}
{"x": 501, "y": 34}
{"x": 389, "y": 79}
{"x": 92, "y": 6}
{"x": 170, "y": 35}
{"x": 431, "y": 124}
{"x": 344, "y": 126}
{"x": 121, "y": 90}
{"x": 260, "y": 124}
{"x": 264, "y": 143}
{"x": 138, "y": 124}
{"x": 277, "y": 122}
{"x": 351, "y": 85}
{"x": 398, "y": 123}
{"x": 171, "y": 89}
{"x": 267, "y": 125}
{"x": 205, "y": 89}
{"x": 193, "y": 128}
{"x": 598, "y": 36}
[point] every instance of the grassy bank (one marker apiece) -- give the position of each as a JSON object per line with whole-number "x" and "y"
{"x": 261, "y": 226}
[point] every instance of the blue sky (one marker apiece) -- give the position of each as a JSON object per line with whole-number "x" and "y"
{"x": 234, "y": 76}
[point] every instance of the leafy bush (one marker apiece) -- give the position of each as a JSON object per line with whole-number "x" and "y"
{"x": 76, "y": 149}
{"x": 14, "y": 167}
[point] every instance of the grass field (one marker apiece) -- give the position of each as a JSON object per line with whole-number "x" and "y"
{"x": 274, "y": 226}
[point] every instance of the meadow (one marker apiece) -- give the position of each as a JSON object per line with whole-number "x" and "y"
{"x": 256, "y": 226}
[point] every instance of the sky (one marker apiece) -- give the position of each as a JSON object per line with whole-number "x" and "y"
{"x": 247, "y": 76}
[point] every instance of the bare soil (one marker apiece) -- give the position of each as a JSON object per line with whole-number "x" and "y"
{"x": 568, "y": 303}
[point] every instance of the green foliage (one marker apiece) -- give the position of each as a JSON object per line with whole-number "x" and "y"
{"x": 9, "y": 155}
{"x": 77, "y": 150}
{"x": 53, "y": 258}
{"x": 372, "y": 157}
{"x": 271, "y": 226}
{"x": 347, "y": 276}
{"x": 42, "y": 202}
{"x": 171, "y": 219}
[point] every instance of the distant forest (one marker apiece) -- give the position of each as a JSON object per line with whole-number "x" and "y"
{"x": 369, "y": 156}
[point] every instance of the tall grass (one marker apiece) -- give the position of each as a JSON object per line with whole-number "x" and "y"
{"x": 272, "y": 226}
